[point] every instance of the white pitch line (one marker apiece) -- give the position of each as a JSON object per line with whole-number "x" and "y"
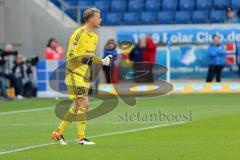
{"x": 101, "y": 135}
{"x": 51, "y": 107}
{"x": 25, "y": 148}
{"x": 26, "y": 110}
{"x": 137, "y": 129}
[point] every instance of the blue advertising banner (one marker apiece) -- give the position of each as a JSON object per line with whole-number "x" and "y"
{"x": 189, "y": 44}
{"x": 178, "y": 34}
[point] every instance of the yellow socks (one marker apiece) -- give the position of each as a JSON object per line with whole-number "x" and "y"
{"x": 81, "y": 122}
{"x": 68, "y": 118}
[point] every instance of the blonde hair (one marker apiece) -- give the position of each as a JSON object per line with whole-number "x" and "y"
{"x": 88, "y": 13}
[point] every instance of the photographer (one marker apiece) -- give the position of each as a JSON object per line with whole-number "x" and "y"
{"x": 23, "y": 71}
{"x": 29, "y": 88}
{"x": 8, "y": 56}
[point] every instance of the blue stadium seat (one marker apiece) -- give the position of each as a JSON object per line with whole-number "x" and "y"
{"x": 153, "y": 5}
{"x": 169, "y": 5}
{"x": 165, "y": 17}
{"x": 148, "y": 17}
{"x": 217, "y": 16}
{"x": 135, "y": 5}
{"x": 204, "y": 4}
{"x": 118, "y": 5}
{"x": 102, "y": 5}
{"x": 85, "y": 2}
{"x": 103, "y": 16}
{"x": 131, "y": 18}
{"x": 113, "y": 18}
{"x": 200, "y": 17}
{"x": 235, "y": 4}
{"x": 72, "y": 13}
{"x": 221, "y": 4}
{"x": 72, "y": 2}
{"x": 183, "y": 17}
{"x": 187, "y": 5}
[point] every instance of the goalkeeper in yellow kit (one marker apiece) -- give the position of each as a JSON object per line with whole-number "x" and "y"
{"x": 80, "y": 56}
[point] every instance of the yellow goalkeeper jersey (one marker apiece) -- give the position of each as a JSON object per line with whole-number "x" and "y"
{"x": 82, "y": 43}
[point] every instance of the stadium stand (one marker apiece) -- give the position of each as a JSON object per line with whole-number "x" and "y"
{"x": 186, "y": 5}
{"x": 113, "y": 18}
{"x": 235, "y": 4}
{"x": 135, "y": 5}
{"x": 221, "y": 4}
{"x": 165, "y": 17}
{"x": 154, "y": 11}
{"x": 72, "y": 3}
{"x": 200, "y": 17}
{"x": 57, "y": 3}
{"x": 170, "y": 5}
{"x": 72, "y": 13}
{"x": 204, "y": 5}
{"x": 131, "y": 18}
{"x": 148, "y": 17}
{"x": 152, "y": 5}
{"x": 217, "y": 16}
{"x": 183, "y": 17}
{"x": 119, "y": 5}
{"x": 102, "y": 5}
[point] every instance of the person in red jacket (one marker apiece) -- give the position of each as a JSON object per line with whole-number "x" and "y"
{"x": 149, "y": 59}
{"x": 54, "y": 51}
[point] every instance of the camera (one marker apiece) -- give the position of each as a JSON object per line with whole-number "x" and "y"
{"x": 33, "y": 61}
{"x": 4, "y": 53}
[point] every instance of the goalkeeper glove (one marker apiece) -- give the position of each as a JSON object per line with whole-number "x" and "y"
{"x": 107, "y": 60}
{"x": 87, "y": 60}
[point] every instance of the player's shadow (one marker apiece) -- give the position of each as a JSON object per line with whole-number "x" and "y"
{"x": 140, "y": 75}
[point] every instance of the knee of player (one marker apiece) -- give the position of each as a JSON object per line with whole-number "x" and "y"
{"x": 82, "y": 103}
{"x": 75, "y": 107}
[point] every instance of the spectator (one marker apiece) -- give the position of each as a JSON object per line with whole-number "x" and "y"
{"x": 136, "y": 55}
{"x": 110, "y": 49}
{"x": 54, "y": 51}
{"x": 231, "y": 18}
{"x": 8, "y": 57}
{"x": 149, "y": 57}
{"x": 217, "y": 59}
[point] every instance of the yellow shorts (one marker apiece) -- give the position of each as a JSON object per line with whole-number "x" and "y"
{"x": 77, "y": 86}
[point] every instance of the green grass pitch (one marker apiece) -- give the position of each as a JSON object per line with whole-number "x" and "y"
{"x": 207, "y": 128}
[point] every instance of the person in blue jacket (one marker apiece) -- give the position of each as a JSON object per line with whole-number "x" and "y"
{"x": 217, "y": 59}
